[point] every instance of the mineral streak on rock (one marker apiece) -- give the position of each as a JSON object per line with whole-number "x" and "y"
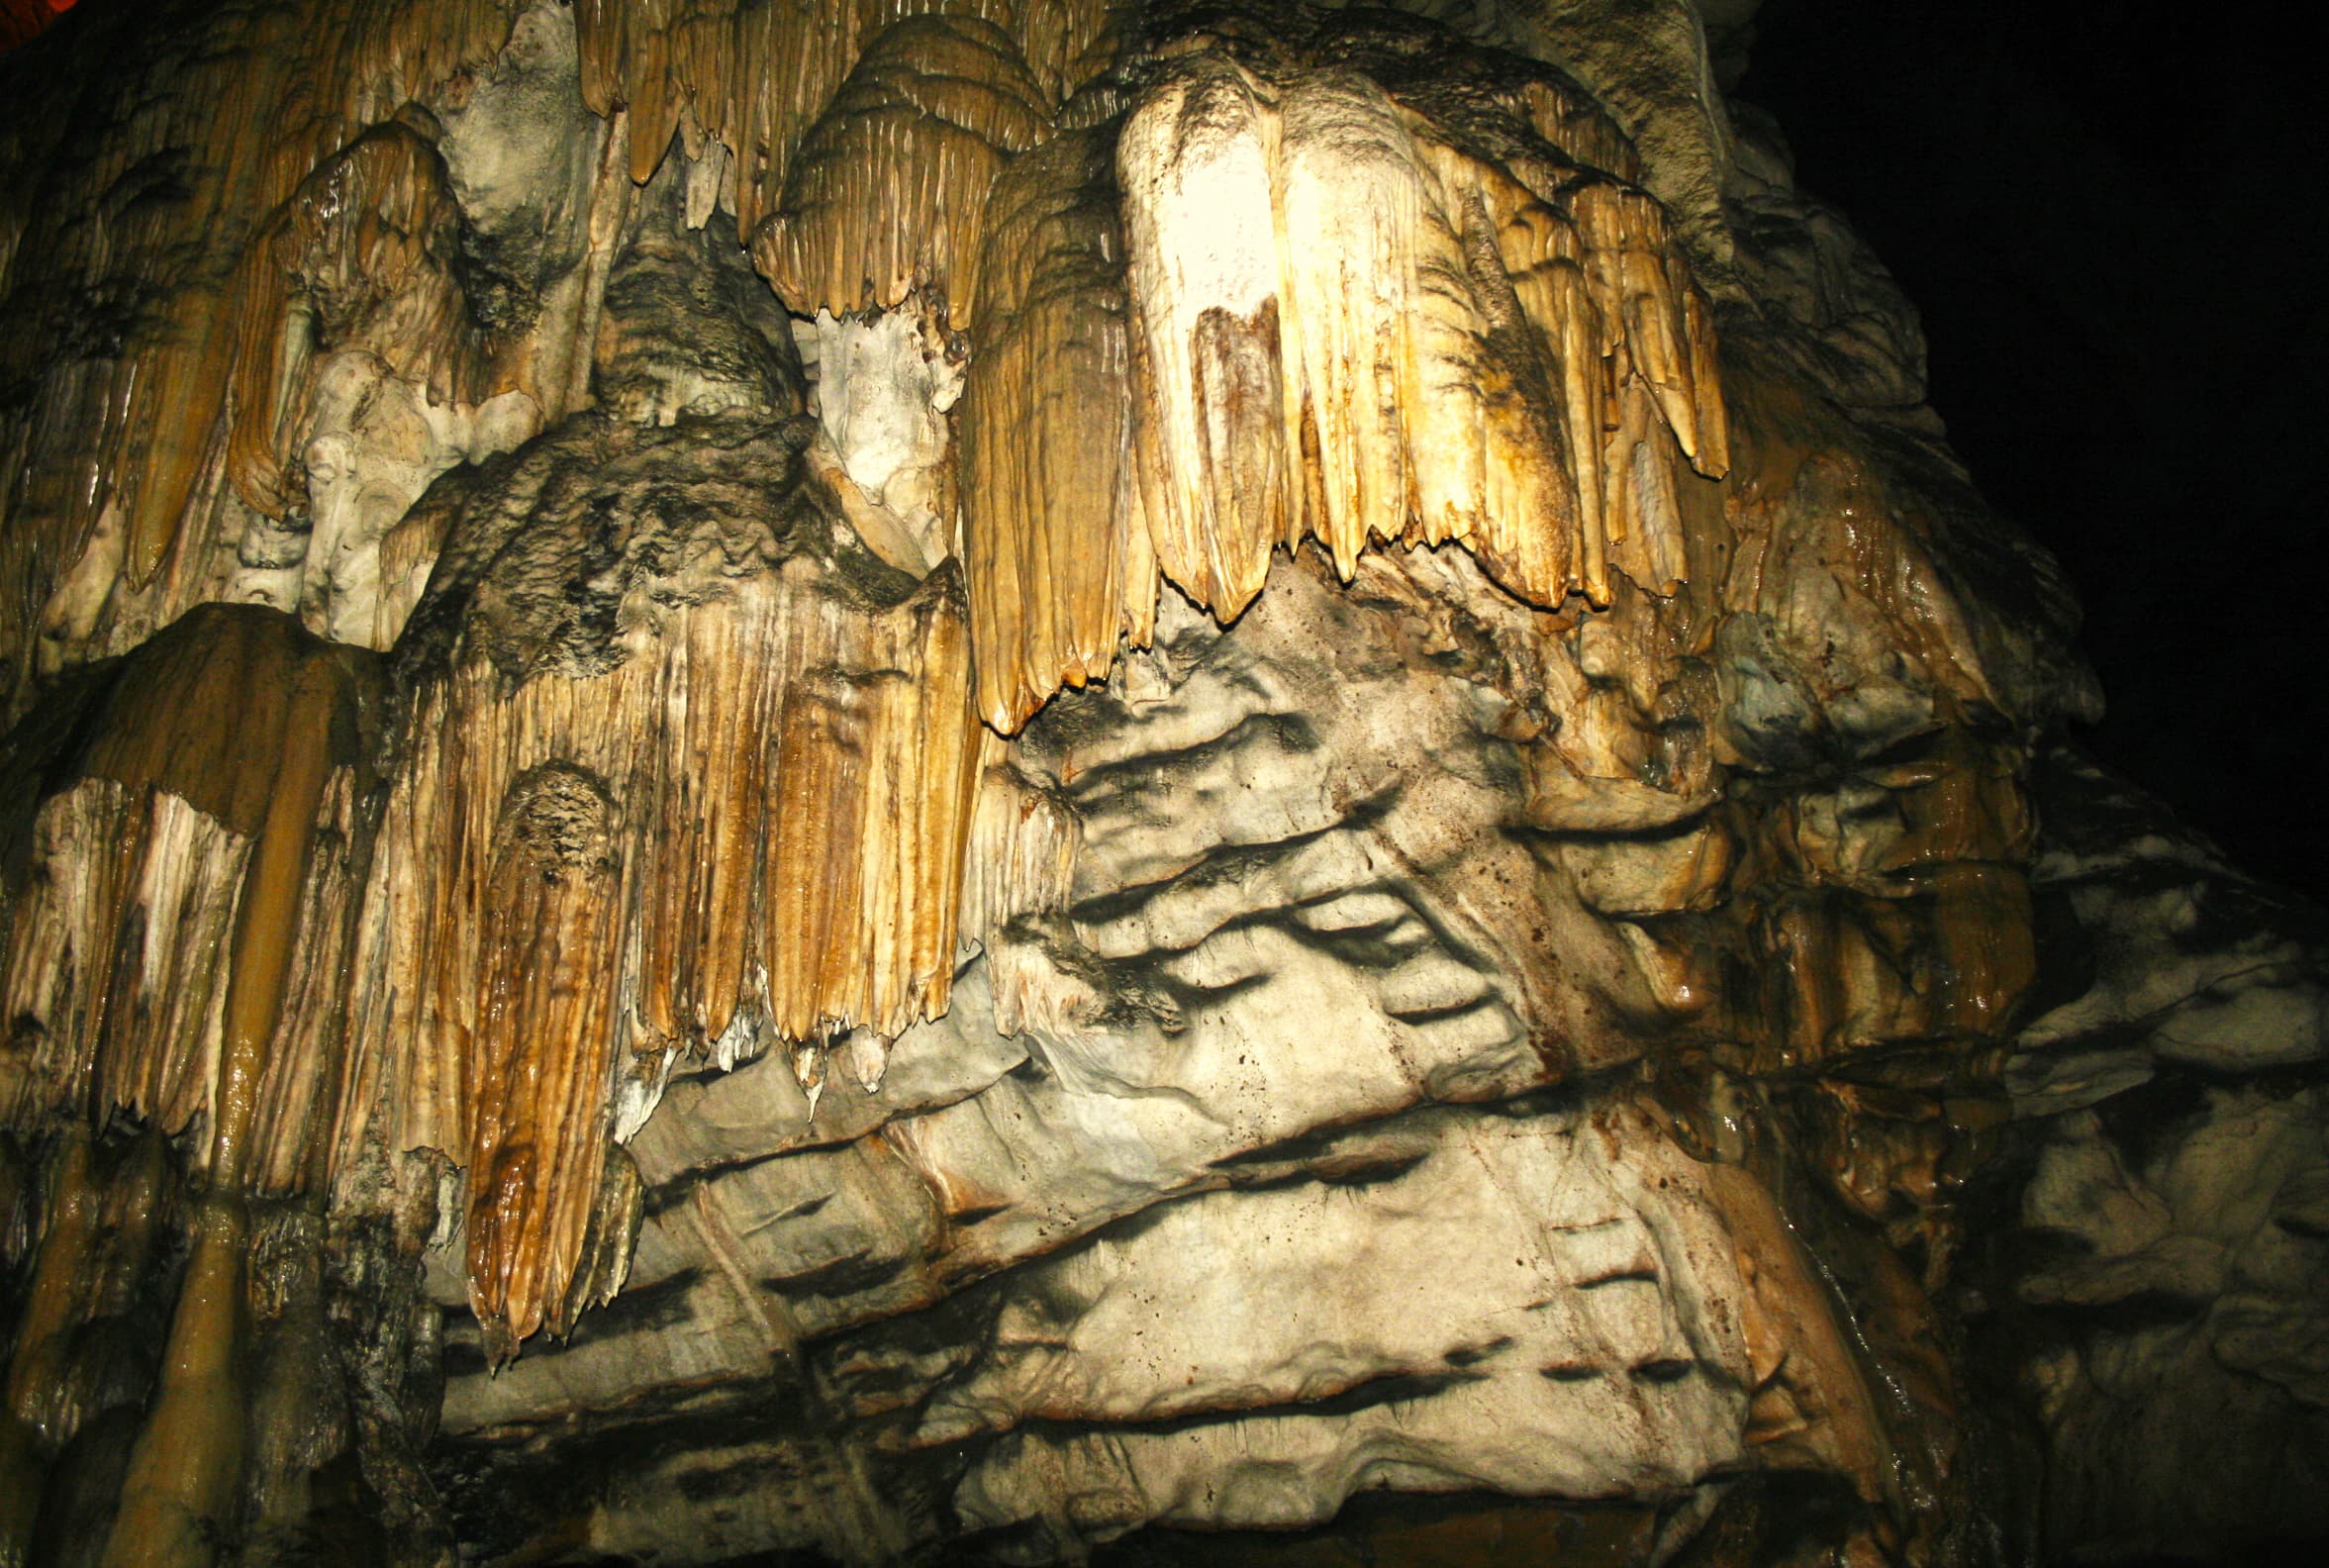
{"x": 1516, "y": 957}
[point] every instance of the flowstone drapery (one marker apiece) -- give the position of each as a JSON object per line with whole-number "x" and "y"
{"x": 925, "y": 780}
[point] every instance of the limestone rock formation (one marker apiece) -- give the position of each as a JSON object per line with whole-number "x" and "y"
{"x": 925, "y": 781}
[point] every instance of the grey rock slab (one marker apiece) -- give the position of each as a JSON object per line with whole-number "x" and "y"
{"x": 1543, "y": 1307}
{"x": 708, "y": 1119}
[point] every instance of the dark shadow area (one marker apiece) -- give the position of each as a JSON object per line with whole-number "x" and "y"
{"x": 2109, "y": 227}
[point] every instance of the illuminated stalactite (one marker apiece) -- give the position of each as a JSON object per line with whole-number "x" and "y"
{"x": 834, "y": 767}
{"x": 890, "y": 187}
{"x": 1060, "y": 561}
{"x": 145, "y": 860}
{"x": 151, "y": 732}
{"x": 755, "y": 78}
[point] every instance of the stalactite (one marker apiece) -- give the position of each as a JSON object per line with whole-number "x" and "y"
{"x": 117, "y": 447}
{"x": 1060, "y": 556}
{"x": 755, "y": 77}
{"x": 167, "y": 801}
{"x": 804, "y": 885}
{"x": 148, "y": 858}
{"x": 1195, "y": 163}
{"x": 536, "y": 1071}
{"x": 700, "y": 905}
{"x": 887, "y": 193}
{"x": 874, "y": 728}
{"x": 1346, "y": 328}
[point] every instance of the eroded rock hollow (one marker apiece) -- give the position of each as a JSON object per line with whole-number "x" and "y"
{"x": 988, "y": 780}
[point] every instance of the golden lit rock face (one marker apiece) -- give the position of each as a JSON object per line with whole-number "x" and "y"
{"x": 1307, "y": 273}
{"x": 1063, "y": 767}
{"x": 537, "y": 1049}
{"x": 1349, "y": 324}
{"x": 167, "y": 870}
{"x": 777, "y": 784}
{"x": 113, "y": 509}
{"x": 890, "y": 185}
{"x": 754, "y": 80}
{"x": 1060, "y": 559}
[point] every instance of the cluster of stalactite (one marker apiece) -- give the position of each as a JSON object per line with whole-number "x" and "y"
{"x": 759, "y": 82}
{"x": 113, "y": 460}
{"x": 757, "y": 836}
{"x": 158, "y": 939}
{"x": 183, "y": 893}
{"x": 1275, "y": 307}
{"x": 460, "y": 888}
{"x": 1393, "y": 327}
{"x": 1351, "y": 324}
{"x": 1415, "y": 330}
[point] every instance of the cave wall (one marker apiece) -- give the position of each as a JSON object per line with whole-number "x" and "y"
{"x": 897, "y": 781}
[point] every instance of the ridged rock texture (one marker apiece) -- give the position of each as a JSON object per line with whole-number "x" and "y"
{"x": 1002, "y": 780}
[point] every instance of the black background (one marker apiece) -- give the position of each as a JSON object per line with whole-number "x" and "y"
{"x": 2112, "y": 228}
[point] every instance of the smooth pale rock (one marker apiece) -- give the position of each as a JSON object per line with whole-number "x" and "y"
{"x": 885, "y": 382}
{"x": 1423, "y": 1270}
{"x": 1386, "y": 1315}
